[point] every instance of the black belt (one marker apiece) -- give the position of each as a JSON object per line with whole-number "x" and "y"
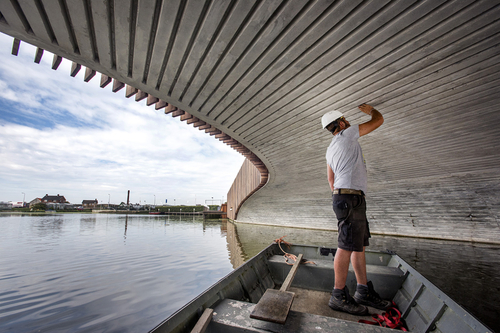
{"x": 347, "y": 191}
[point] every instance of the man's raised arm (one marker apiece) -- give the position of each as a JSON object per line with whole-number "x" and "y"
{"x": 374, "y": 123}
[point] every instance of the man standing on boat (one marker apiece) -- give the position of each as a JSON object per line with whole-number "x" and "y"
{"x": 348, "y": 180}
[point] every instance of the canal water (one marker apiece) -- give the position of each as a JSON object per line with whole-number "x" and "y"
{"x": 118, "y": 273}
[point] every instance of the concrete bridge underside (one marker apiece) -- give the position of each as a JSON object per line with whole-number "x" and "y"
{"x": 263, "y": 72}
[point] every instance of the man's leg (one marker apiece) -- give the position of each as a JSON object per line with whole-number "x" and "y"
{"x": 341, "y": 299}
{"x": 358, "y": 260}
{"x": 341, "y": 267}
{"x": 365, "y": 293}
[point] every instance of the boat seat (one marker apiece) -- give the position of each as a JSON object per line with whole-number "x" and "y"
{"x": 320, "y": 276}
{"x": 234, "y": 316}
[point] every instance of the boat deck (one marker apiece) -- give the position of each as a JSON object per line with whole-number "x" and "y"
{"x": 310, "y": 311}
{"x": 233, "y": 316}
{"x": 316, "y": 302}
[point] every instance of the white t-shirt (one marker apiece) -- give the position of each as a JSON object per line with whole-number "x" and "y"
{"x": 345, "y": 157}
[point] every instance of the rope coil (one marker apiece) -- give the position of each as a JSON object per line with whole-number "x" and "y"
{"x": 289, "y": 256}
{"x": 389, "y": 319}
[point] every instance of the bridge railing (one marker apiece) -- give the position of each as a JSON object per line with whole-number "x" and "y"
{"x": 248, "y": 180}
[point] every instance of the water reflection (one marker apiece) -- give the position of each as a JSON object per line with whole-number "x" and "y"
{"x": 469, "y": 273}
{"x": 89, "y": 280}
{"x": 126, "y": 226}
{"x": 237, "y": 255}
{"x": 87, "y": 223}
{"x": 48, "y": 226}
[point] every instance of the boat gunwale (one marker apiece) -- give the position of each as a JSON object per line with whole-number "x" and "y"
{"x": 468, "y": 318}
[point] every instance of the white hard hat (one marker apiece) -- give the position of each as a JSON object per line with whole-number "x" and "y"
{"x": 329, "y": 117}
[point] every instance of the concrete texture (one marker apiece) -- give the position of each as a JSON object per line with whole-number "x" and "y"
{"x": 263, "y": 73}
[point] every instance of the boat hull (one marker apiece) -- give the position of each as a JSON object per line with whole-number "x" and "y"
{"x": 423, "y": 306}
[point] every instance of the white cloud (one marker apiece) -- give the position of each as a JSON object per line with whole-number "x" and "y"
{"x": 60, "y": 135}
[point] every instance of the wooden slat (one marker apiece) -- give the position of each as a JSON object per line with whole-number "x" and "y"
{"x": 151, "y": 100}
{"x": 56, "y": 61}
{"x": 170, "y": 108}
{"x": 89, "y": 74}
{"x": 105, "y": 80}
{"x": 75, "y": 68}
{"x": 215, "y": 132}
{"x": 204, "y": 127}
{"x": 160, "y": 104}
{"x": 38, "y": 55}
{"x": 130, "y": 91}
{"x": 199, "y": 123}
{"x": 177, "y": 113}
{"x": 140, "y": 95}
{"x": 117, "y": 85}
{"x": 186, "y": 116}
{"x": 289, "y": 278}
{"x": 15, "y": 46}
{"x": 203, "y": 322}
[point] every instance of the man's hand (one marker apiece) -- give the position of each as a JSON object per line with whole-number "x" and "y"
{"x": 374, "y": 123}
{"x": 366, "y": 108}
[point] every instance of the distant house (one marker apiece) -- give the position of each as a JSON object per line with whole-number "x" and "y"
{"x": 54, "y": 198}
{"x": 34, "y": 202}
{"x": 59, "y": 206}
{"x": 89, "y": 203}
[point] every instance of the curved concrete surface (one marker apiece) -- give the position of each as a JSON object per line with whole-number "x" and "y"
{"x": 263, "y": 73}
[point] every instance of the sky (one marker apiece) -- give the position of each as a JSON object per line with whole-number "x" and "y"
{"x": 61, "y": 135}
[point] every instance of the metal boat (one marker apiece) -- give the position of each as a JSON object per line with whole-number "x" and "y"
{"x": 227, "y": 305}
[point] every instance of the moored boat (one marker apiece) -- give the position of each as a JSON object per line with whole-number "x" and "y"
{"x": 227, "y": 305}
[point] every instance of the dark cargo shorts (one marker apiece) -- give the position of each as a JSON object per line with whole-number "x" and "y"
{"x": 354, "y": 231}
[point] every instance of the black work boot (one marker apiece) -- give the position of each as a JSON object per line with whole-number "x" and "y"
{"x": 342, "y": 301}
{"x": 368, "y": 296}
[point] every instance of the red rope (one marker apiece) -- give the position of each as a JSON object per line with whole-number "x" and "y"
{"x": 390, "y": 319}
